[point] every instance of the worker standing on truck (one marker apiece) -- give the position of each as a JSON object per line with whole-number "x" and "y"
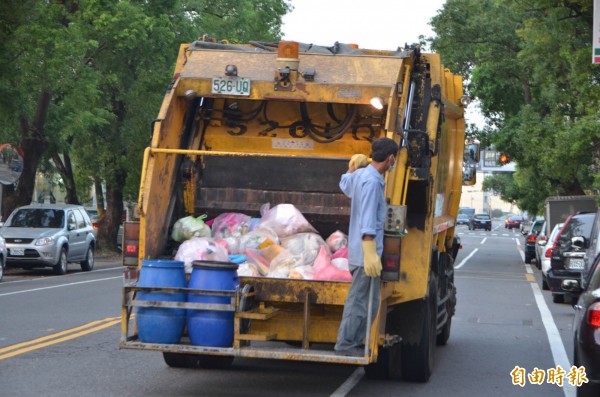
{"x": 365, "y": 187}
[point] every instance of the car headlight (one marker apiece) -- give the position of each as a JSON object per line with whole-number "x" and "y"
{"x": 44, "y": 241}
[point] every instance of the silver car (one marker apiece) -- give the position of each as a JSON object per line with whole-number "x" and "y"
{"x": 43, "y": 235}
{"x": 544, "y": 249}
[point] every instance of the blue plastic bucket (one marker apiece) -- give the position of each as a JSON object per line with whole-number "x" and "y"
{"x": 161, "y": 324}
{"x": 212, "y": 327}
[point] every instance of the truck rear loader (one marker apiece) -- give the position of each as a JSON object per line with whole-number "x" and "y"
{"x": 249, "y": 124}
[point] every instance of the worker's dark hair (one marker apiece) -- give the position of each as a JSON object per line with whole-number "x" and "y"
{"x": 382, "y": 148}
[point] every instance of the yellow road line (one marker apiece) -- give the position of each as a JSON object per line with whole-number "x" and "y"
{"x": 530, "y": 277}
{"x": 53, "y": 339}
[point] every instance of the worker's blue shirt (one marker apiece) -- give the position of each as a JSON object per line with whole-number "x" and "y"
{"x": 365, "y": 187}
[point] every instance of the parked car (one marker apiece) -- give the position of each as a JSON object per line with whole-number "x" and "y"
{"x": 531, "y": 238}
{"x": 480, "y": 221}
{"x": 592, "y": 253}
{"x": 544, "y": 249}
{"x": 2, "y": 257}
{"x": 50, "y": 235}
{"x": 462, "y": 219}
{"x": 513, "y": 221}
{"x": 586, "y": 328}
{"x": 567, "y": 258}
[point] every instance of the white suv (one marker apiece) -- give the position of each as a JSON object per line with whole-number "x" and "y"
{"x": 49, "y": 235}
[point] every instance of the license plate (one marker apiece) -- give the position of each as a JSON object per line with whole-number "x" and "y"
{"x": 231, "y": 86}
{"x": 17, "y": 251}
{"x": 576, "y": 264}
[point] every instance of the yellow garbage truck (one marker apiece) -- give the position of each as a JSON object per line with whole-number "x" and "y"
{"x": 242, "y": 125}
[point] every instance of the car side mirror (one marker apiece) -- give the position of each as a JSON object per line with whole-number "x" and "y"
{"x": 542, "y": 243}
{"x": 578, "y": 241}
{"x": 469, "y": 174}
{"x": 71, "y": 227}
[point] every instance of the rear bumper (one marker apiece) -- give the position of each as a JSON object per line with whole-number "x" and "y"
{"x": 530, "y": 250}
{"x": 555, "y": 277}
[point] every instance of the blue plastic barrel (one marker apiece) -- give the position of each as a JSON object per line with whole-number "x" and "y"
{"x": 161, "y": 324}
{"x": 212, "y": 327}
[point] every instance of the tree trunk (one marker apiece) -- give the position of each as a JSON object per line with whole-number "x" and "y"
{"x": 34, "y": 146}
{"x": 99, "y": 195}
{"x": 573, "y": 188}
{"x": 109, "y": 223}
{"x": 65, "y": 170}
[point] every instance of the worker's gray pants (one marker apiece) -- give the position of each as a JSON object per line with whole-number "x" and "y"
{"x": 353, "y": 328}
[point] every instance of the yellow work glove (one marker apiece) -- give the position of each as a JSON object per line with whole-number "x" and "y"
{"x": 371, "y": 259}
{"x": 357, "y": 161}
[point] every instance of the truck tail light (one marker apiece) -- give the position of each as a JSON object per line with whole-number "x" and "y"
{"x": 532, "y": 238}
{"x": 130, "y": 243}
{"x": 593, "y": 315}
{"x": 549, "y": 252}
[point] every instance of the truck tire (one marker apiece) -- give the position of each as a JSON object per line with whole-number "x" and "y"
{"x": 214, "y": 362}
{"x": 176, "y": 360}
{"x": 418, "y": 360}
{"x": 388, "y": 365}
{"x": 446, "y": 263}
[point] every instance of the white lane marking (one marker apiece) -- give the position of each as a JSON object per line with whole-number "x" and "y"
{"x": 528, "y": 269}
{"x": 349, "y": 384}
{"x": 461, "y": 264}
{"x": 65, "y": 276}
{"x": 518, "y": 242}
{"x": 483, "y": 241}
{"x": 59, "y": 286}
{"x": 556, "y": 344}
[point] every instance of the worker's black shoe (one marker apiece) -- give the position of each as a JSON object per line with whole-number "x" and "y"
{"x": 352, "y": 352}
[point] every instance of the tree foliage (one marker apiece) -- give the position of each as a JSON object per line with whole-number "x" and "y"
{"x": 83, "y": 79}
{"x": 529, "y": 64}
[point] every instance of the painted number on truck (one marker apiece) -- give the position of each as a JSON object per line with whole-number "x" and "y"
{"x": 231, "y": 86}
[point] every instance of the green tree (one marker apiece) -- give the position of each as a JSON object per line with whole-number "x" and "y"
{"x": 530, "y": 65}
{"x": 87, "y": 78}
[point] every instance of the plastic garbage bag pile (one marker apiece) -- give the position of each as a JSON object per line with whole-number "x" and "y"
{"x": 280, "y": 244}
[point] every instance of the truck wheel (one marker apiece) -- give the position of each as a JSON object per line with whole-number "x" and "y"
{"x": 444, "y": 335}
{"x": 214, "y": 362}
{"x": 447, "y": 262}
{"x": 418, "y": 360}
{"x": 176, "y": 360}
{"x": 388, "y": 365}
{"x": 61, "y": 266}
{"x": 545, "y": 285}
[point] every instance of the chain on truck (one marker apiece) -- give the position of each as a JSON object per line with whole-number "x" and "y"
{"x": 242, "y": 125}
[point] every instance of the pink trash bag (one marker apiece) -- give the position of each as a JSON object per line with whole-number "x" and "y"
{"x": 337, "y": 241}
{"x": 230, "y": 224}
{"x": 325, "y": 271}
